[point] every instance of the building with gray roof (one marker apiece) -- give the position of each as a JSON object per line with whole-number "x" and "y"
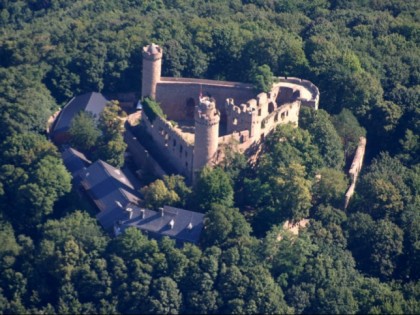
{"x": 91, "y": 102}
{"x": 75, "y": 162}
{"x": 111, "y": 191}
{"x": 179, "y": 224}
{"x": 114, "y": 194}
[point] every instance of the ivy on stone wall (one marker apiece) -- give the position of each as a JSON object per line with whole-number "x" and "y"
{"x": 152, "y": 109}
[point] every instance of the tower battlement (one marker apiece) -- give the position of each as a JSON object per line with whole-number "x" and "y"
{"x": 206, "y": 112}
{"x": 152, "y": 52}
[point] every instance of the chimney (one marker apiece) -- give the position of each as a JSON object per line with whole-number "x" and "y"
{"x": 130, "y": 212}
{"x": 172, "y": 223}
{"x": 161, "y": 212}
{"x": 143, "y": 213}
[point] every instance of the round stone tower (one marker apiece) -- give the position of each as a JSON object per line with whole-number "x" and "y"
{"x": 152, "y": 64}
{"x": 207, "y": 119}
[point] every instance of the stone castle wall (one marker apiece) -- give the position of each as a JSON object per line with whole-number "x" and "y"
{"x": 239, "y": 140}
{"x": 261, "y": 115}
{"x": 141, "y": 156}
{"x": 243, "y": 118}
{"x": 178, "y": 96}
{"x": 310, "y": 100}
{"x": 179, "y": 153}
{"x": 286, "y": 113}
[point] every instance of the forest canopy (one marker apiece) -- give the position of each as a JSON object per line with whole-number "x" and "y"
{"x": 365, "y": 58}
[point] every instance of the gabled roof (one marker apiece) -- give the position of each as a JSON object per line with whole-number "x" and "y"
{"x": 182, "y": 225}
{"x": 74, "y": 161}
{"x": 114, "y": 213}
{"x": 92, "y": 102}
{"x": 111, "y": 191}
{"x": 101, "y": 171}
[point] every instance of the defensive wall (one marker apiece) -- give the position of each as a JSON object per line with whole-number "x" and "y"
{"x": 179, "y": 152}
{"x": 222, "y": 113}
{"x": 262, "y": 114}
{"x": 309, "y": 92}
{"x": 141, "y": 156}
{"x": 179, "y": 96}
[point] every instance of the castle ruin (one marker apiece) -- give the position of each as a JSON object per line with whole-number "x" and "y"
{"x": 204, "y": 116}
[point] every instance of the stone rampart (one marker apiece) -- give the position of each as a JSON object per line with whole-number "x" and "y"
{"x": 240, "y": 139}
{"x": 179, "y": 97}
{"x": 141, "y": 156}
{"x": 240, "y": 117}
{"x": 208, "y": 82}
{"x": 311, "y": 101}
{"x": 286, "y": 113}
{"x": 171, "y": 144}
{"x": 237, "y": 141}
{"x": 261, "y": 115}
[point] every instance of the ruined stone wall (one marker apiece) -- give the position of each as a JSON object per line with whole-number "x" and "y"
{"x": 171, "y": 144}
{"x": 248, "y": 116}
{"x": 261, "y": 115}
{"x": 177, "y": 94}
{"x": 239, "y": 140}
{"x": 141, "y": 156}
{"x": 286, "y": 94}
{"x": 239, "y": 117}
{"x": 311, "y": 99}
{"x": 355, "y": 168}
{"x": 286, "y": 113}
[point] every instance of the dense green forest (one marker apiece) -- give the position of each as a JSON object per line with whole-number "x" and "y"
{"x": 363, "y": 55}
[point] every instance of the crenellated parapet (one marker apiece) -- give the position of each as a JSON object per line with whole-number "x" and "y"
{"x": 152, "y": 52}
{"x": 206, "y": 112}
{"x": 241, "y": 117}
{"x": 305, "y": 91}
